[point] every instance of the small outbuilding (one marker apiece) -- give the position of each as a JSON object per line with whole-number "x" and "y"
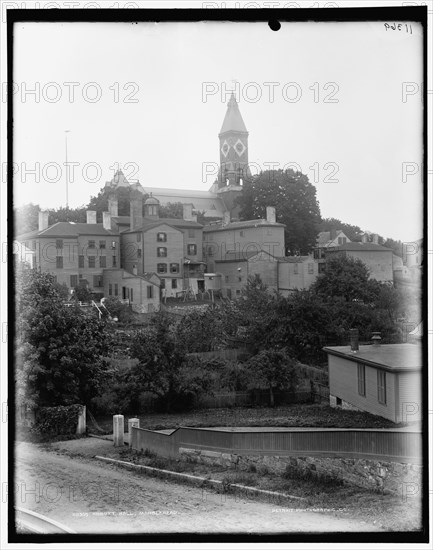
{"x": 383, "y": 379}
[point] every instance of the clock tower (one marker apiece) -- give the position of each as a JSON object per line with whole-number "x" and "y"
{"x": 233, "y": 140}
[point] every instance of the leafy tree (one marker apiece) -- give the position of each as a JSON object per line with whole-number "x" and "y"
{"x": 171, "y": 210}
{"x": 100, "y": 202}
{"x": 118, "y": 309}
{"x": 296, "y": 205}
{"x": 346, "y": 277}
{"x": 163, "y": 367}
{"x": 77, "y": 215}
{"x": 26, "y": 218}
{"x": 82, "y": 294}
{"x": 272, "y": 369}
{"x": 60, "y": 350}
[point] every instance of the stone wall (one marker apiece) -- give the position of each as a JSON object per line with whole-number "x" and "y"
{"x": 393, "y": 477}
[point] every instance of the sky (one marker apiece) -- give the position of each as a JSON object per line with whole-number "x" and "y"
{"x": 340, "y": 101}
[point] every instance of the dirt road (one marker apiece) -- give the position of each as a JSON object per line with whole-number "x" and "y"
{"x": 91, "y": 497}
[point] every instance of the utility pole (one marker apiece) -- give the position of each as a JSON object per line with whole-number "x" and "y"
{"x": 66, "y": 166}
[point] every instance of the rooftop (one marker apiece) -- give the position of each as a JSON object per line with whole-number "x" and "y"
{"x": 70, "y": 229}
{"x": 240, "y": 225}
{"x": 174, "y": 222}
{"x": 233, "y": 120}
{"x": 392, "y": 357}
{"x": 370, "y": 247}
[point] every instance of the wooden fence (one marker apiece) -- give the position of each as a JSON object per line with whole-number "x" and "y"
{"x": 387, "y": 445}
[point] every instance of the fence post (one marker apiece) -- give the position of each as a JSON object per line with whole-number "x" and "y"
{"x": 118, "y": 429}
{"x": 132, "y": 423}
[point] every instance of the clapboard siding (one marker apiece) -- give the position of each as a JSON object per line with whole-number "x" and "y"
{"x": 343, "y": 383}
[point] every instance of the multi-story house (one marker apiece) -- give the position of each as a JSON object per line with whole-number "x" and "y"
{"x": 75, "y": 253}
{"x": 169, "y": 247}
{"x": 243, "y": 238}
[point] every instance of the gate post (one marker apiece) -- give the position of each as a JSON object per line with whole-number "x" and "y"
{"x": 132, "y": 423}
{"x": 118, "y": 429}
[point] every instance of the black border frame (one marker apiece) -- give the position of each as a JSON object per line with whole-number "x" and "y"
{"x": 407, "y": 13}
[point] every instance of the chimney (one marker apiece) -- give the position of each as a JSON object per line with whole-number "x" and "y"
{"x": 113, "y": 207}
{"x": 187, "y": 213}
{"x": 270, "y": 214}
{"x": 376, "y": 338}
{"x": 106, "y": 220}
{"x": 136, "y": 211}
{"x": 91, "y": 216}
{"x": 375, "y": 238}
{"x": 134, "y": 270}
{"x": 332, "y": 234}
{"x": 354, "y": 340}
{"x": 43, "y": 220}
{"x": 364, "y": 238}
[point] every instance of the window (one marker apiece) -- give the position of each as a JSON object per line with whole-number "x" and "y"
{"x": 174, "y": 283}
{"x": 80, "y": 261}
{"x": 161, "y": 268}
{"x": 74, "y": 281}
{"x": 59, "y": 243}
{"x": 361, "y": 379}
{"x": 138, "y": 252}
{"x": 296, "y": 269}
{"x": 174, "y": 268}
{"x": 240, "y": 279}
{"x": 110, "y": 289}
{"x": 102, "y": 244}
{"x": 149, "y": 292}
{"x": 316, "y": 253}
{"x": 116, "y": 289}
{"x": 80, "y": 275}
{"x": 162, "y": 284}
{"x": 322, "y": 268}
{"x": 91, "y": 244}
{"x": 310, "y": 268}
{"x": 34, "y": 245}
{"x": 59, "y": 262}
{"x": 92, "y": 261}
{"x": 161, "y": 252}
{"x": 138, "y": 237}
{"x": 381, "y": 386}
{"x": 192, "y": 249}
{"x": 227, "y": 278}
{"x": 97, "y": 281}
{"x": 191, "y": 233}
{"x": 238, "y": 292}
{"x": 114, "y": 261}
{"x": 131, "y": 295}
{"x": 113, "y": 245}
{"x": 210, "y": 251}
{"x": 103, "y": 261}
{"x": 161, "y": 237}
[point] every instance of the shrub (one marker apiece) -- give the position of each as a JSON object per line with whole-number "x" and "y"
{"x": 57, "y": 420}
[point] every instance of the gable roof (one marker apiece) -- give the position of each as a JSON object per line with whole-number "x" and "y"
{"x": 172, "y": 222}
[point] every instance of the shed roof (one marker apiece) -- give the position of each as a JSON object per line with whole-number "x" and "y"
{"x": 391, "y": 357}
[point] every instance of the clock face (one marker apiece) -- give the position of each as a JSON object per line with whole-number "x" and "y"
{"x": 240, "y": 148}
{"x": 225, "y": 148}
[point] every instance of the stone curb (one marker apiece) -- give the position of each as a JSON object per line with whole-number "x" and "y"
{"x": 200, "y": 481}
